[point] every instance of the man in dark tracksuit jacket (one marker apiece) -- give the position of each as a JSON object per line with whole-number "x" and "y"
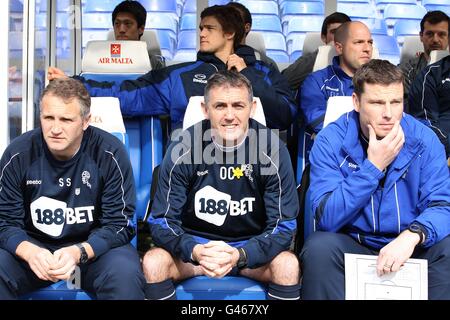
{"x": 66, "y": 201}
{"x": 429, "y": 99}
{"x": 167, "y": 91}
{"x": 226, "y": 201}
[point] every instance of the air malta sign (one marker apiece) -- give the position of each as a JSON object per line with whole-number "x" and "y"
{"x": 116, "y": 56}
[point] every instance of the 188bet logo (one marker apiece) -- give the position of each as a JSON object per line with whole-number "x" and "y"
{"x": 50, "y": 215}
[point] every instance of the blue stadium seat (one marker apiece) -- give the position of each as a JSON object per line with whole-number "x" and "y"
{"x": 376, "y": 26}
{"x": 187, "y": 40}
{"x": 356, "y": 10}
{"x": 275, "y": 46}
{"x": 188, "y": 22}
{"x": 304, "y": 9}
{"x": 295, "y": 46}
{"x": 190, "y": 6}
{"x": 167, "y": 43}
{"x": 185, "y": 55}
{"x": 101, "y": 6}
{"x": 394, "y": 12}
{"x": 404, "y": 28}
{"x": 388, "y": 48}
{"x": 297, "y": 28}
{"x": 58, "y": 291}
{"x": 166, "y": 27}
{"x": 160, "y": 6}
{"x": 381, "y": 4}
{"x": 442, "y": 7}
{"x": 96, "y": 21}
{"x": 16, "y": 6}
{"x": 263, "y": 22}
{"x": 227, "y": 288}
{"x": 261, "y": 6}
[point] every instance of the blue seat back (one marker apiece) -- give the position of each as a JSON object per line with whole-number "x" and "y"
{"x": 227, "y": 288}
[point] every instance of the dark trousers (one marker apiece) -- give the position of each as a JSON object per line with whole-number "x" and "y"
{"x": 117, "y": 274}
{"x": 322, "y": 261}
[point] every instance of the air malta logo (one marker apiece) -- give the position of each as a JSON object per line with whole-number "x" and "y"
{"x": 115, "y": 50}
{"x": 116, "y": 56}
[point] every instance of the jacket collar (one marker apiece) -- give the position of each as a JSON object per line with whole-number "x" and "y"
{"x": 243, "y": 51}
{"x": 352, "y": 145}
{"x": 338, "y": 70}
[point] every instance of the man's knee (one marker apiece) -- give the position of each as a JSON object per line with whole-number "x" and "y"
{"x": 157, "y": 263}
{"x": 285, "y": 268}
{"x": 319, "y": 246}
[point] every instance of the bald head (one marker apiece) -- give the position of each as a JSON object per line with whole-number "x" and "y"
{"x": 343, "y": 32}
{"x": 353, "y": 43}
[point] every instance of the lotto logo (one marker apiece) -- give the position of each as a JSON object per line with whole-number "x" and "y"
{"x": 50, "y": 215}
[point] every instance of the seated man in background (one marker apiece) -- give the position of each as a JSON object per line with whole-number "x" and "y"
{"x": 128, "y": 20}
{"x": 167, "y": 91}
{"x": 354, "y": 44}
{"x": 303, "y": 66}
{"x": 429, "y": 100}
{"x": 434, "y": 29}
{"x": 226, "y": 202}
{"x": 67, "y": 199}
{"x": 247, "y": 17}
{"x": 379, "y": 186}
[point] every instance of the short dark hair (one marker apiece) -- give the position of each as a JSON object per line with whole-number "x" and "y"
{"x": 134, "y": 8}
{"x": 230, "y": 20}
{"x": 376, "y": 71}
{"x": 434, "y": 17}
{"x": 245, "y": 13}
{"x": 336, "y": 17}
{"x": 228, "y": 78}
{"x": 68, "y": 89}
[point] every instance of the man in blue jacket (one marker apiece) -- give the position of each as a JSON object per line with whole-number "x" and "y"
{"x": 379, "y": 186}
{"x": 67, "y": 200}
{"x": 353, "y": 44}
{"x": 167, "y": 91}
{"x": 226, "y": 201}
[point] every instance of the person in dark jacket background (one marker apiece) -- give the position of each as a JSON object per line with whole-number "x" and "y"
{"x": 429, "y": 99}
{"x": 167, "y": 91}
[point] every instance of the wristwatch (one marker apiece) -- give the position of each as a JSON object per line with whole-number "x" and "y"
{"x": 419, "y": 229}
{"x": 242, "y": 261}
{"x": 83, "y": 254}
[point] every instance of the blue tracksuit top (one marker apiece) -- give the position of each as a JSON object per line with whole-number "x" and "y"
{"x": 347, "y": 196}
{"x": 90, "y": 197}
{"x": 245, "y": 196}
{"x": 317, "y": 88}
{"x": 167, "y": 90}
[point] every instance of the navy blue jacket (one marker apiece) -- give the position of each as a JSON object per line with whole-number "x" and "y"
{"x": 347, "y": 194}
{"x": 89, "y": 198}
{"x": 429, "y": 99}
{"x": 245, "y": 197}
{"x": 167, "y": 90}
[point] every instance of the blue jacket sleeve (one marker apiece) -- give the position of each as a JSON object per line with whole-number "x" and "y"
{"x": 313, "y": 103}
{"x": 149, "y": 95}
{"x": 12, "y": 213}
{"x": 332, "y": 195}
{"x": 118, "y": 200}
{"x": 280, "y": 199}
{"x": 170, "y": 199}
{"x": 424, "y": 101}
{"x": 434, "y": 193}
{"x": 277, "y": 100}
